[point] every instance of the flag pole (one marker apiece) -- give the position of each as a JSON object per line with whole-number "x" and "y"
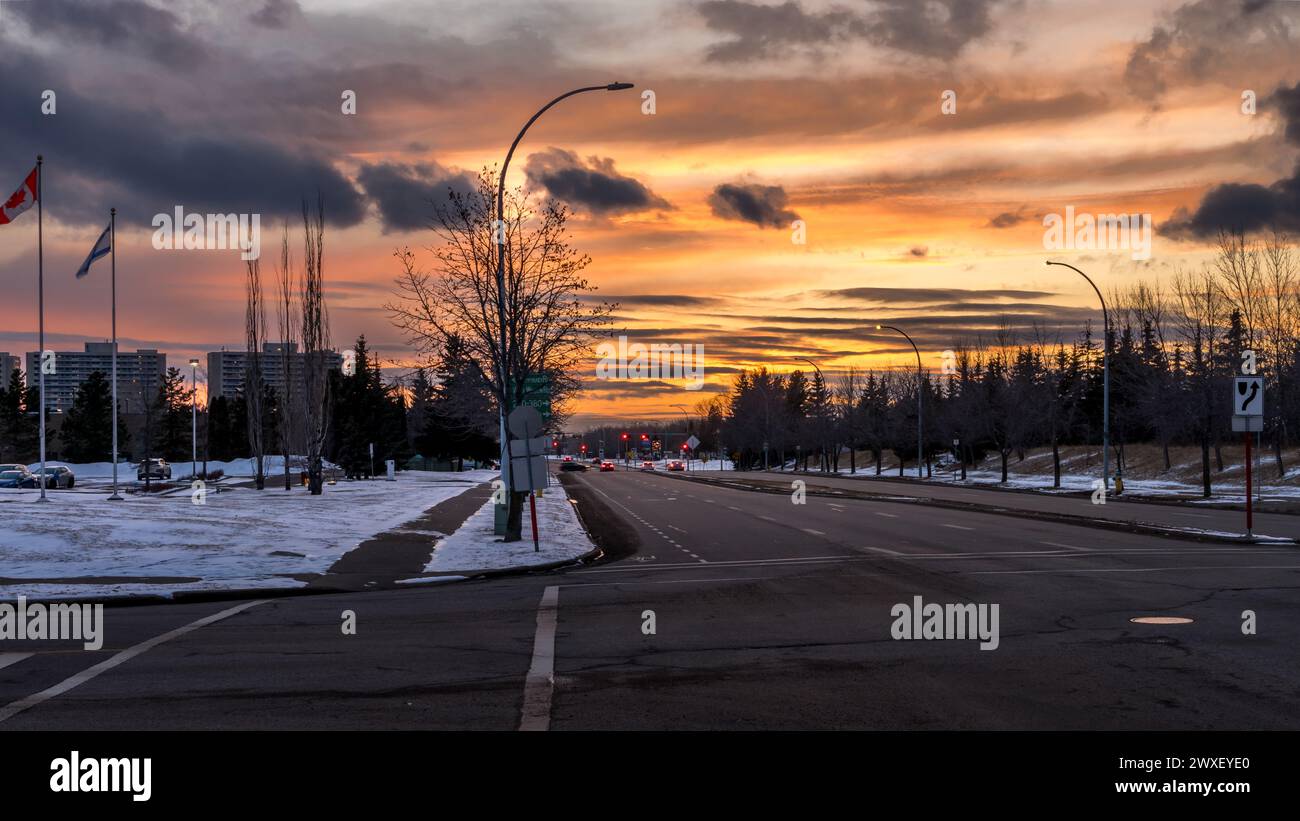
{"x": 40, "y": 298}
{"x": 112, "y": 240}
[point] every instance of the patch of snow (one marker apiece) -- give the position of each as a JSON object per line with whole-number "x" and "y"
{"x": 474, "y": 546}
{"x": 228, "y": 542}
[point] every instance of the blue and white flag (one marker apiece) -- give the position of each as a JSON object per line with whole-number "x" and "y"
{"x": 101, "y": 249}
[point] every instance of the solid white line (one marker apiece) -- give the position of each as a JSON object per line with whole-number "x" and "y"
{"x": 1069, "y": 546}
{"x": 540, "y": 683}
{"x": 813, "y": 532}
{"x": 7, "y": 659}
{"x": 958, "y": 527}
{"x": 1138, "y": 569}
{"x": 886, "y": 515}
{"x": 112, "y": 661}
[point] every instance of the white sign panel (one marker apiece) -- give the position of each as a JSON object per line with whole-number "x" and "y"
{"x": 1248, "y": 396}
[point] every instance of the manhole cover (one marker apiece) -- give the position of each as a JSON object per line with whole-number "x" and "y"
{"x": 1160, "y": 620}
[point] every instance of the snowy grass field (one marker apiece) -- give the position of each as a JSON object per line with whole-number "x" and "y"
{"x": 239, "y": 537}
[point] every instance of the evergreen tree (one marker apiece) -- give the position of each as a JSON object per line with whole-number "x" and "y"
{"x": 87, "y": 430}
{"x": 172, "y": 410}
{"x": 19, "y": 431}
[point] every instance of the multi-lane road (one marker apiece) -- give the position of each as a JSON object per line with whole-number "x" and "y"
{"x": 765, "y": 613}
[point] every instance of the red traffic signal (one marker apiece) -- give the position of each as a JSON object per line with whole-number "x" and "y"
{"x": 555, "y": 443}
{"x": 584, "y": 447}
{"x": 645, "y": 436}
{"x": 684, "y": 446}
{"x": 625, "y": 437}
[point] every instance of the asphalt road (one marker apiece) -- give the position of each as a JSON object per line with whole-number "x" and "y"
{"x": 1182, "y": 515}
{"x": 767, "y": 614}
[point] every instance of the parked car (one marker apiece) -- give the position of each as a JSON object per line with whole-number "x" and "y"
{"x": 571, "y": 465}
{"x": 153, "y": 469}
{"x": 17, "y": 479}
{"x": 647, "y": 465}
{"x": 596, "y": 461}
{"x": 676, "y": 464}
{"x": 15, "y": 466}
{"x": 60, "y": 477}
{"x": 604, "y": 466}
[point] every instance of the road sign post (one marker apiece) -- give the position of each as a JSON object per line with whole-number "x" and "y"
{"x": 526, "y": 422}
{"x": 1248, "y": 418}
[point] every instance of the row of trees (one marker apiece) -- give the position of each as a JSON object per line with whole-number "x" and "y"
{"x": 1173, "y": 355}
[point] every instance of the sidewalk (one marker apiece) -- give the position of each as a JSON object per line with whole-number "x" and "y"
{"x": 1175, "y": 518}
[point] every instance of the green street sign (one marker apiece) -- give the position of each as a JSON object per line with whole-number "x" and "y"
{"x": 537, "y": 394}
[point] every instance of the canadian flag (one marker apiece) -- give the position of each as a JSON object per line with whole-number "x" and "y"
{"x": 22, "y": 199}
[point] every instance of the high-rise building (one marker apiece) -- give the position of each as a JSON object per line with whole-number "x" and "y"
{"x": 226, "y": 369}
{"x": 8, "y": 364}
{"x": 139, "y": 373}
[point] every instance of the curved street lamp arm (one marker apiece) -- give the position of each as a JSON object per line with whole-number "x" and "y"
{"x": 1105, "y": 313}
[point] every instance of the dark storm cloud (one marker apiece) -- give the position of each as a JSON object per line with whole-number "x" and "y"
{"x": 1210, "y": 40}
{"x": 593, "y": 185}
{"x": 406, "y": 194}
{"x": 935, "y": 29}
{"x": 763, "y": 205}
{"x": 1248, "y": 206}
{"x": 1006, "y": 219}
{"x": 927, "y": 296}
{"x": 761, "y": 31}
{"x": 100, "y": 154}
{"x": 276, "y": 14}
{"x": 668, "y": 300}
{"x": 126, "y": 26}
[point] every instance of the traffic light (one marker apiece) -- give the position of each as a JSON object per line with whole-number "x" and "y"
{"x": 625, "y": 437}
{"x": 684, "y": 448}
{"x": 555, "y": 443}
{"x": 584, "y": 447}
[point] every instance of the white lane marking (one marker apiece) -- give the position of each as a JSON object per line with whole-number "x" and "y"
{"x": 1139, "y": 569}
{"x": 813, "y": 532}
{"x": 767, "y": 518}
{"x": 886, "y": 515}
{"x": 540, "y": 683}
{"x": 957, "y": 527}
{"x": 112, "y": 661}
{"x": 7, "y": 659}
{"x": 883, "y": 550}
{"x": 678, "y": 529}
{"x": 1069, "y": 546}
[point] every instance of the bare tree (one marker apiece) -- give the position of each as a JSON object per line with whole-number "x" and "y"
{"x": 315, "y": 343}
{"x": 1200, "y": 314}
{"x": 1279, "y": 327}
{"x": 255, "y": 335}
{"x": 286, "y": 319}
{"x": 549, "y": 330}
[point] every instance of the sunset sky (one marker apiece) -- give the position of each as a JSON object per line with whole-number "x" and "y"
{"x": 829, "y": 113}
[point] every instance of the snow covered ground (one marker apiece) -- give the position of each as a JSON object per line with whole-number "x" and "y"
{"x": 475, "y": 547}
{"x": 239, "y": 537}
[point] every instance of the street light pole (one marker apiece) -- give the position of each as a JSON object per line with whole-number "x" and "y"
{"x": 920, "y": 392}
{"x": 1105, "y": 376}
{"x": 499, "y": 235}
{"x": 823, "y": 381}
{"x": 194, "y": 419}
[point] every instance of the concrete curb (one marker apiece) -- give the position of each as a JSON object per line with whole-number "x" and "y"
{"x": 1061, "y": 518}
